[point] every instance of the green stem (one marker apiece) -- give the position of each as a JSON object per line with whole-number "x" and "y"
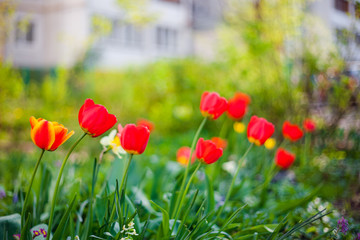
{"x": 269, "y": 176}
{"x": 122, "y": 184}
{"x": 58, "y": 183}
{"x": 224, "y": 128}
{"x": 28, "y": 193}
{"x": 188, "y": 166}
{"x": 233, "y": 182}
{"x": 185, "y": 192}
{"x": 90, "y": 213}
{"x": 304, "y": 160}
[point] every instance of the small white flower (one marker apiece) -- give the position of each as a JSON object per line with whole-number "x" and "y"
{"x": 230, "y": 167}
{"x": 112, "y": 141}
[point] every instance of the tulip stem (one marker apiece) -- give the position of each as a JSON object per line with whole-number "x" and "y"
{"x": 186, "y": 190}
{"x": 233, "y": 182}
{"x": 181, "y": 192}
{"x": 269, "y": 176}
{"x": 28, "y": 193}
{"x": 58, "y": 183}
{"x": 123, "y": 180}
{"x": 304, "y": 159}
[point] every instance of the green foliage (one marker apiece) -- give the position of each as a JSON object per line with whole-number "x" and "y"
{"x": 259, "y": 56}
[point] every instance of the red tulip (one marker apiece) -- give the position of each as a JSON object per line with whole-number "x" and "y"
{"x": 212, "y": 105}
{"x": 309, "y": 125}
{"x": 283, "y": 158}
{"x": 134, "y": 138}
{"x": 219, "y": 142}
{"x": 238, "y": 106}
{"x": 94, "y": 119}
{"x": 207, "y": 152}
{"x": 292, "y": 131}
{"x": 259, "y": 130}
{"x": 48, "y": 135}
{"x": 146, "y": 123}
{"x": 183, "y": 156}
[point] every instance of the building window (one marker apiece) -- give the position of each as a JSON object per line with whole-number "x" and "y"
{"x": 172, "y": 1}
{"x": 166, "y": 38}
{"x": 24, "y": 33}
{"x": 342, "y": 5}
{"x": 126, "y": 34}
{"x": 357, "y": 39}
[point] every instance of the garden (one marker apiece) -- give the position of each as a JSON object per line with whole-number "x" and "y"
{"x": 259, "y": 143}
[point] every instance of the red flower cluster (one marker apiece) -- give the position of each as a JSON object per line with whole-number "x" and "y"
{"x": 146, "y": 123}
{"x": 259, "y": 130}
{"x": 207, "y": 151}
{"x": 292, "y": 131}
{"x": 284, "y": 159}
{"x": 212, "y": 105}
{"x": 94, "y": 119}
{"x": 134, "y": 138}
{"x": 238, "y": 106}
{"x": 183, "y": 156}
{"x": 309, "y": 125}
{"x": 219, "y": 142}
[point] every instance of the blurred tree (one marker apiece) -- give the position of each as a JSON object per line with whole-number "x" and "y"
{"x": 7, "y": 8}
{"x": 267, "y": 50}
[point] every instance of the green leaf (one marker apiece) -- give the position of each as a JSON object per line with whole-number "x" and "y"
{"x": 278, "y": 228}
{"x": 186, "y": 213}
{"x": 264, "y": 228}
{"x": 25, "y": 232}
{"x": 210, "y": 194}
{"x": 63, "y": 222}
{"x": 289, "y": 205}
{"x": 135, "y": 215}
{"x": 10, "y": 225}
{"x": 165, "y": 220}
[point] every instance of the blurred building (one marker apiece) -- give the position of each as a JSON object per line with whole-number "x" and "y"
{"x": 342, "y": 17}
{"x": 167, "y": 33}
{"x": 178, "y": 29}
{"x": 49, "y": 33}
{"x": 46, "y": 33}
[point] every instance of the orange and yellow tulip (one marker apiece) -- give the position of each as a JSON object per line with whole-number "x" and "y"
{"x": 48, "y": 135}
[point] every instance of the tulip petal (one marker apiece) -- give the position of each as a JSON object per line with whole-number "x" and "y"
{"x": 142, "y": 136}
{"x": 109, "y": 123}
{"x": 88, "y": 102}
{"x": 43, "y": 134}
{"x": 134, "y": 138}
{"x": 214, "y": 156}
{"x": 93, "y": 119}
{"x": 61, "y": 135}
{"x": 33, "y": 121}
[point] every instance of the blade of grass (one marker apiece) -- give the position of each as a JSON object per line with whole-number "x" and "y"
{"x": 165, "y": 220}
{"x": 63, "y": 222}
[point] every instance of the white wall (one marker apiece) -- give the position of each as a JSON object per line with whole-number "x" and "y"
{"x": 113, "y": 54}
{"x": 60, "y": 30}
